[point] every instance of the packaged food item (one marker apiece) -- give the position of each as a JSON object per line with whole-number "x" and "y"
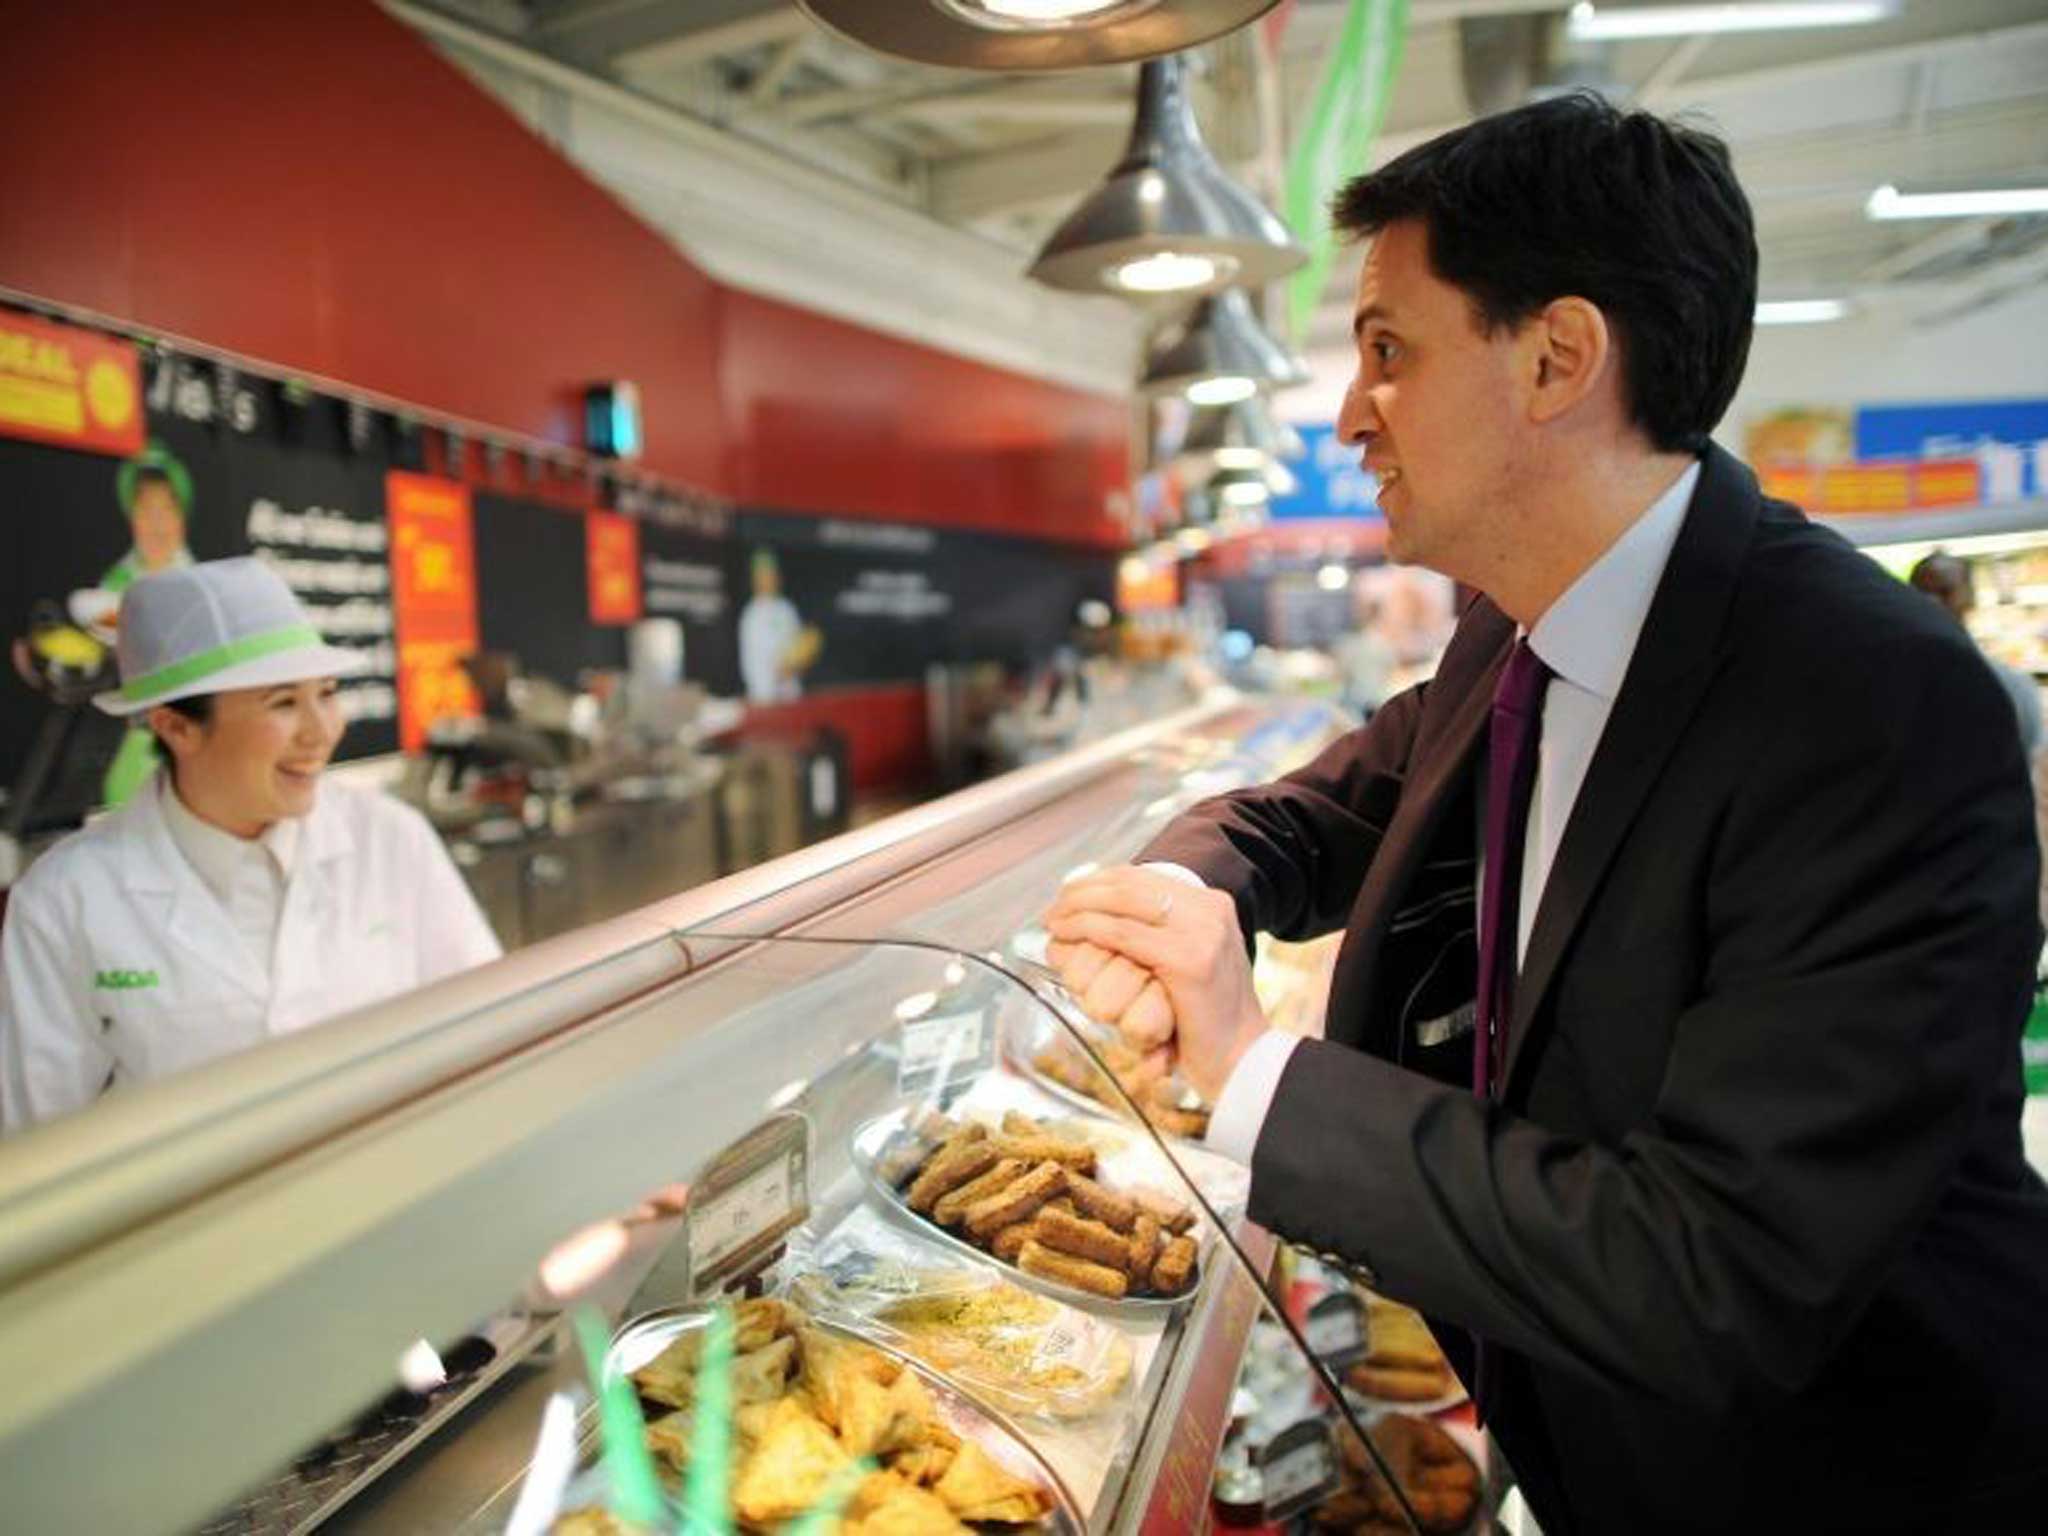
{"x": 1402, "y": 1362}
{"x": 1021, "y": 1353}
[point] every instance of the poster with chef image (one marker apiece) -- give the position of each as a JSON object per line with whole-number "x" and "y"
{"x": 776, "y": 646}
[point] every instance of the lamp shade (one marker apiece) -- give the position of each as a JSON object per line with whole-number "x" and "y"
{"x": 1032, "y": 34}
{"x": 1168, "y": 219}
{"x": 1222, "y": 355}
{"x": 1245, "y": 435}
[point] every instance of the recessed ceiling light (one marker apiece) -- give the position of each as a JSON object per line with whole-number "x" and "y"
{"x": 1603, "y": 24}
{"x": 1800, "y": 311}
{"x": 1888, "y": 202}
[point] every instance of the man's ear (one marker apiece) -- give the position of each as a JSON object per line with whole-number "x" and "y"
{"x": 1573, "y": 354}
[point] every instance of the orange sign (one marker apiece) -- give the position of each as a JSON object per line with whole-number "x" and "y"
{"x": 433, "y": 595}
{"x": 1142, "y": 586}
{"x": 1874, "y": 485}
{"x": 611, "y": 546}
{"x": 75, "y": 388}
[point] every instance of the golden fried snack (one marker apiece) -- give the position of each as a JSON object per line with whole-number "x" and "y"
{"x": 953, "y": 1204}
{"x": 927, "y": 1464}
{"x": 1398, "y": 1338}
{"x": 1023, "y": 1197}
{"x": 1034, "y": 1258}
{"x": 1082, "y": 1238}
{"x": 789, "y": 1469}
{"x": 1175, "y": 1267}
{"x": 1099, "y": 1203}
{"x": 1143, "y": 1248}
{"x": 1009, "y": 1242}
{"x": 975, "y": 1488}
{"x": 1166, "y": 1210}
{"x": 886, "y": 1504}
{"x": 1440, "y": 1480}
{"x": 1017, "y": 1123}
{"x": 1077, "y": 1155}
{"x": 757, "y": 1376}
{"x": 1187, "y": 1124}
{"x": 1400, "y": 1384}
{"x": 950, "y": 1167}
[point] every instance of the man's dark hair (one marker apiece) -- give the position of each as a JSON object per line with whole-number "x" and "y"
{"x": 199, "y": 710}
{"x": 1574, "y": 197}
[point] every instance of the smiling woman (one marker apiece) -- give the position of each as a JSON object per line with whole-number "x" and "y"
{"x": 235, "y": 897}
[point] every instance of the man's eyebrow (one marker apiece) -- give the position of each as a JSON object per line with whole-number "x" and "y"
{"x": 1370, "y": 313}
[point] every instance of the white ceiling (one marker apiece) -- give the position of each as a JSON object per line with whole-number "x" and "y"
{"x": 1950, "y": 89}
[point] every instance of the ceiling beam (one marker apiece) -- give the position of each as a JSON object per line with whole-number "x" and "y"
{"x": 741, "y": 26}
{"x": 1016, "y": 107}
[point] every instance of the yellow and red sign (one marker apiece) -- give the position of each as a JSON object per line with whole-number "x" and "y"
{"x": 611, "y": 546}
{"x": 433, "y": 594}
{"x": 1874, "y": 485}
{"x": 74, "y": 388}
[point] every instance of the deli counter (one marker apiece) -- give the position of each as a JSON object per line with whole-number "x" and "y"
{"x": 396, "y": 1273}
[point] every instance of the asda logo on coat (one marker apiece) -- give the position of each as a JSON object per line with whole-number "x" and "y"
{"x": 124, "y": 981}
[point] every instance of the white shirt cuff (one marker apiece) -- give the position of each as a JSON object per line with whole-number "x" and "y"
{"x": 1240, "y": 1112}
{"x": 1179, "y": 872}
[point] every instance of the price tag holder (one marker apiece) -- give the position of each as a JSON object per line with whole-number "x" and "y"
{"x": 1335, "y": 1329}
{"x": 747, "y": 1200}
{"x": 1300, "y": 1468}
{"x": 940, "y": 1050}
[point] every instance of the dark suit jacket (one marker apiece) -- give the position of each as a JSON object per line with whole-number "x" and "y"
{"x": 1749, "y": 1224}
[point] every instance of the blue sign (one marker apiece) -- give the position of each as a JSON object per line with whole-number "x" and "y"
{"x": 2007, "y": 438}
{"x": 1333, "y": 482}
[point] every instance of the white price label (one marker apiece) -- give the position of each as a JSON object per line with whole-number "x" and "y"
{"x": 725, "y": 1224}
{"x": 944, "y": 1045}
{"x": 1293, "y": 1476}
{"x": 1334, "y": 1333}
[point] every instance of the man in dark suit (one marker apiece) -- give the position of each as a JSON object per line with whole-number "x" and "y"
{"x": 1672, "y": 1049}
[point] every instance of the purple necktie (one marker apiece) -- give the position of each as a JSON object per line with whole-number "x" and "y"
{"x": 1511, "y": 776}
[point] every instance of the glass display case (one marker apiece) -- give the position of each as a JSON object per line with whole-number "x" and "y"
{"x": 477, "y": 1260}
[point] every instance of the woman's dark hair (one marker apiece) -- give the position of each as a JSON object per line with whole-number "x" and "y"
{"x": 199, "y": 710}
{"x": 1575, "y": 197}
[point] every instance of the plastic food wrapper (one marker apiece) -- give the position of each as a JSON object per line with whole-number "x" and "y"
{"x": 1019, "y": 1352}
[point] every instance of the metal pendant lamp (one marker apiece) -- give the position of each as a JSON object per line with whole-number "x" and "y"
{"x": 1032, "y": 34}
{"x": 1168, "y": 219}
{"x": 1243, "y": 435}
{"x": 1222, "y": 355}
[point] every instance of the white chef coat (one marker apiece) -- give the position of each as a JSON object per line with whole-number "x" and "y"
{"x": 769, "y": 628}
{"x": 247, "y": 875}
{"x": 119, "y": 964}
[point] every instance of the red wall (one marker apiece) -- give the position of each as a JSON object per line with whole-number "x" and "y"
{"x": 311, "y": 185}
{"x": 825, "y": 414}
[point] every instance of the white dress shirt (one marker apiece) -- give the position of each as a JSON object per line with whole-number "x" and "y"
{"x": 248, "y": 876}
{"x": 1587, "y": 639}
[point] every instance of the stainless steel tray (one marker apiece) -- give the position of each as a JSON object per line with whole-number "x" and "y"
{"x": 871, "y": 1138}
{"x": 645, "y": 1337}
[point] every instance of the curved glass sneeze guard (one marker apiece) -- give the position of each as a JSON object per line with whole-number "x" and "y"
{"x": 985, "y": 1198}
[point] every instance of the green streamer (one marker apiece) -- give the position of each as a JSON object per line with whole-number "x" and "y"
{"x": 707, "y": 1504}
{"x": 1344, "y": 118}
{"x": 636, "y": 1491}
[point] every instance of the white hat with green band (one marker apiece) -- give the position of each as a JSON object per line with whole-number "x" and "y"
{"x": 215, "y": 626}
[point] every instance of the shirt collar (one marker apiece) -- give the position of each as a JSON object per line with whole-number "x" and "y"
{"x": 219, "y": 856}
{"x": 1589, "y": 634}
